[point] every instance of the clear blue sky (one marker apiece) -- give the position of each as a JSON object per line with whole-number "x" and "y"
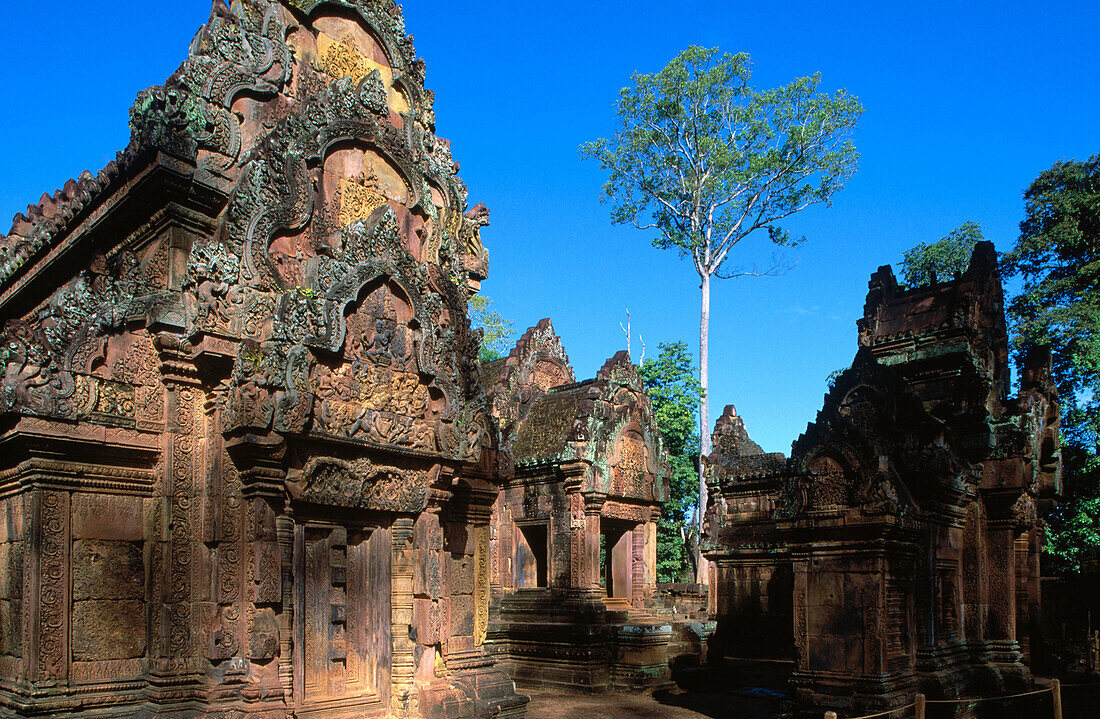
{"x": 965, "y": 104}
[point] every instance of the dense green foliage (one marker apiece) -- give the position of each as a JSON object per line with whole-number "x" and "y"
{"x": 1073, "y": 528}
{"x": 496, "y": 331}
{"x": 674, "y": 392}
{"x": 1058, "y": 259}
{"x": 943, "y": 259}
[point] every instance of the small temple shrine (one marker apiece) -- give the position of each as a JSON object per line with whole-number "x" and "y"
{"x": 573, "y": 529}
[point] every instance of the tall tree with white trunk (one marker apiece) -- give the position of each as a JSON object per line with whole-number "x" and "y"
{"x": 704, "y": 160}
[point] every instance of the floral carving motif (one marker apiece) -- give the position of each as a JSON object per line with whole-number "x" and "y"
{"x": 53, "y": 597}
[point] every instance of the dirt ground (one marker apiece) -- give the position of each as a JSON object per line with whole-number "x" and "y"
{"x": 547, "y": 704}
{"x": 757, "y": 690}
{"x": 729, "y": 692}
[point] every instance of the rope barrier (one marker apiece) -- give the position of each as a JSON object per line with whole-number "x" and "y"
{"x": 921, "y": 701}
{"x": 886, "y": 713}
{"x": 988, "y": 699}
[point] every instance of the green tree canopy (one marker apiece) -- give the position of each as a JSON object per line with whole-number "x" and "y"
{"x": 703, "y": 160}
{"x": 1058, "y": 258}
{"x": 943, "y": 259}
{"x": 674, "y": 392}
{"x": 496, "y": 331}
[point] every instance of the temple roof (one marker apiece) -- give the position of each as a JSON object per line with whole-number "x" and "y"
{"x": 586, "y": 413}
{"x": 736, "y": 456}
{"x": 548, "y": 427}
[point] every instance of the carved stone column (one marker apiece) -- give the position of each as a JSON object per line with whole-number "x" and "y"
{"x": 584, "y": 532}
{"x": 1002, "y": 593}
{"x": 640, "y": 590}
{"x": 481, "y": 583}
{"x": 590, "y": 540}
{"x": 1037, "y": 658}
{"x": 284, "y": 532}
{"x": 802, "y": 679}
{"x": 176, "y": 667}
{"x": 649, "y": 558}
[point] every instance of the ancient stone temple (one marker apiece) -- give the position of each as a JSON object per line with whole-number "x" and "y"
{"x": 573, "y": 531}
{"x": 897, "y": 549}
{"x": 248, "y": 466}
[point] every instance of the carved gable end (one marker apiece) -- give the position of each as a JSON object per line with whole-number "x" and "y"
{"x": 622, "y": 439}
{"x": 536, "y": 365}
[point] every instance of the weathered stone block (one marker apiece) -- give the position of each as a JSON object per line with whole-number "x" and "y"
{"x": 9, "y": 628}
{"x": 101, "y": 516}
{"x": 431, "y": 575}
{"x": 107, "y": 570}
{"x": 108, "y": 630}
{"x": 827, "y": 588}
{"x": 462, "y": 616}
{"x": 266, "y": 573}
{"x": 5, "y": 571}
{"x": 264, "y": 642}
{"x": 11, "y": 519}
{"x": 426, "y": 621}
{"x": 262, "y": 521}
{"x": 458, "y": 538}
{"x": 460, "y": 575}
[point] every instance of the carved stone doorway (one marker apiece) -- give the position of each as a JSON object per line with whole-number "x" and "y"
{"x": 343, "y": 647}
{"x": 616, "y": 539}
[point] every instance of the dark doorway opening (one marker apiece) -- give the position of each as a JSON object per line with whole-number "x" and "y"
{"x": 616, "y": 558}
{"x": 531, "y": 556}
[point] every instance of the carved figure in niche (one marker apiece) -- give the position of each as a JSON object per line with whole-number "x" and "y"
{"x": 830, "y": 486}
{"x": 632, "y": 468}
{"x": 859, "y": 407}
{"x": 379, "y": 350}
{"x": 342, "y": 59}
{"x": 358, "y": 197}
{"x": 547, "y": 374}
{"x": 377, "y": 393}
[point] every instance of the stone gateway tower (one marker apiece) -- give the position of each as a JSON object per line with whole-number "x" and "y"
{"x": 897, "y": 550}
{"x": 247, "y": 464}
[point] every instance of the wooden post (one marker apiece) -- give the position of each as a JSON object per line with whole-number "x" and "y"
{"x": 1056, "y": 690}
{"x": 920, "y": 706}
{"x": 830, "y": 715}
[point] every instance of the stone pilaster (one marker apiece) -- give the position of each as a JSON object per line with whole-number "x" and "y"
{"x": 177, "y": 671}
{"x": 47, "y": 604}
{"x": 403, "y": 670}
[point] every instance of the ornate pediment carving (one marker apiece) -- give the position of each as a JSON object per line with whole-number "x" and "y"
{"x": 361, "y": 484}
